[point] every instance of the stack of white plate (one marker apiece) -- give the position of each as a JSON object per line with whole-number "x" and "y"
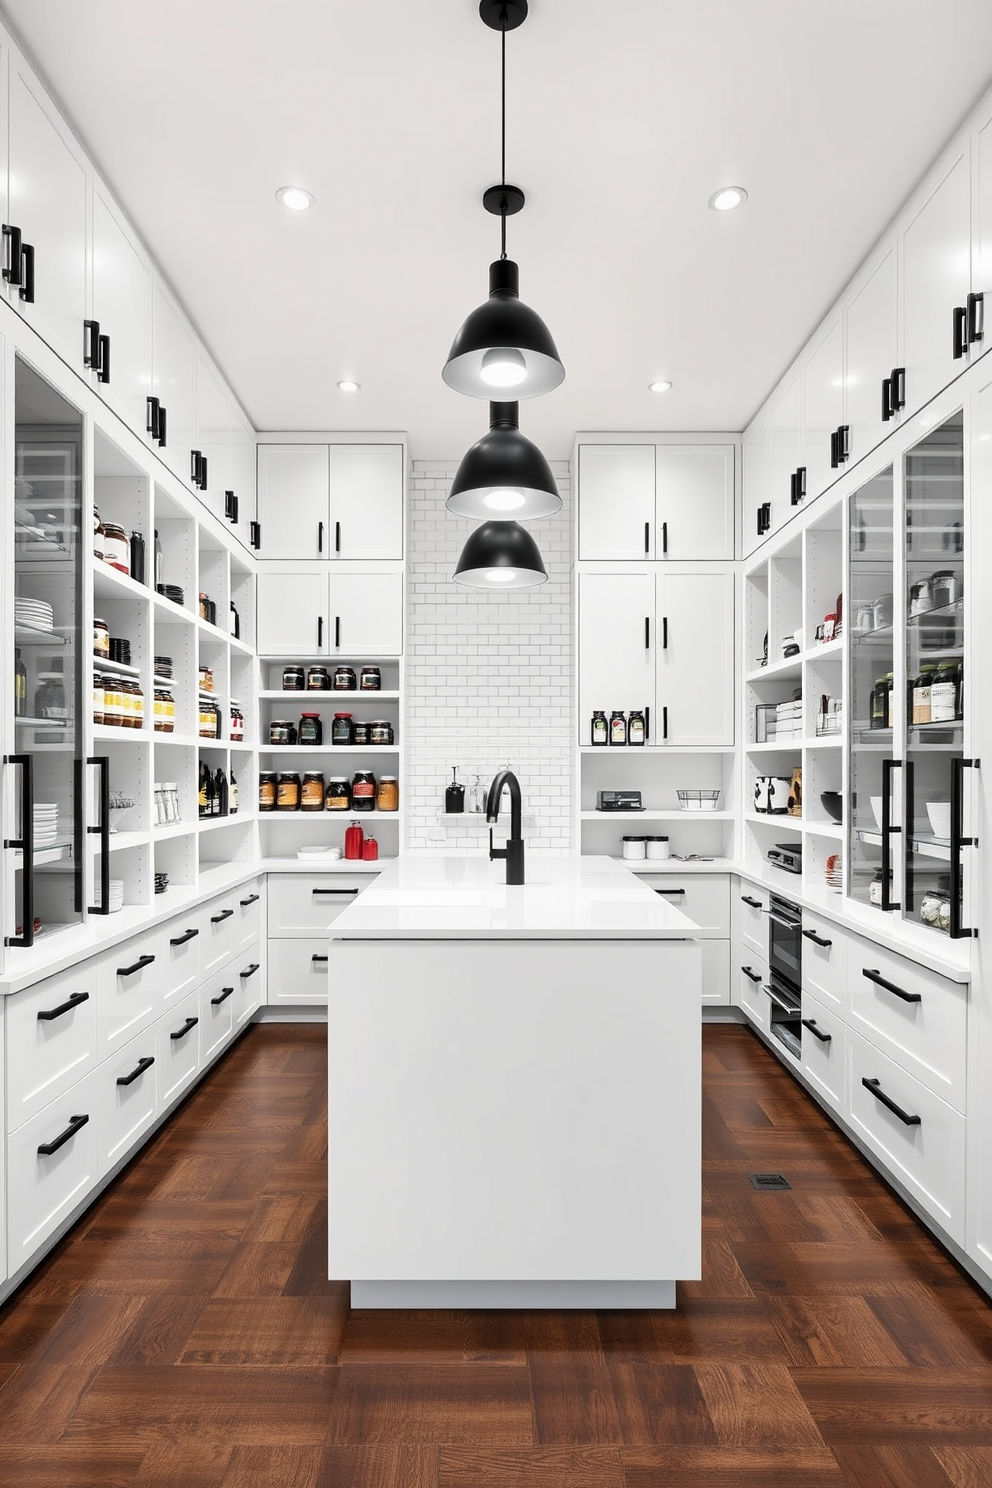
{"x": 46, "y": 823}
{"x": 116, "y": 895}
{"x": 35, "y": 613}
{"x": 834, "y": 872}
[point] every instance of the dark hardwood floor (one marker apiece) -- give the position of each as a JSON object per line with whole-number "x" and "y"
{"x": 184, "y": 1334}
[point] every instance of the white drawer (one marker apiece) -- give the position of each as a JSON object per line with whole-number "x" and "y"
{"x": 749, "y": 976}
{"x": 217, "y": 920}
{"x": 249, "y": 977}
{"x": 752, "y": 922}
{"x": 704, "y": 899}
{"x": 915, "y": 1016}
{"x": 178, "y": 1049}
{"x": 217, "y": 999}
{"x": 824, "y": 960}
{"x": 824, "y": 1061}
{"x": 303, "y": 903}
{"x": 923, "y": 1147}
{"x": 129, "y": 990}
{"x": 180, "y": 958}
{"x": 127, "y": 1098}
{"x": 298, "y": 971}
{"x": 51, "y": 1039}
{"x": 249, "y": 922}
{"x": 44, "y": 1187}
{"x": 716, "y": 972}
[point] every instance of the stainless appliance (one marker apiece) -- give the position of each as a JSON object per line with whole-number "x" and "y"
{"x": 787, "y": 855}
{"x": 785, "y": 971}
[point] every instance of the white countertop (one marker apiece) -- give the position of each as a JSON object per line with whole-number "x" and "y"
{"x": 464, "y": 896}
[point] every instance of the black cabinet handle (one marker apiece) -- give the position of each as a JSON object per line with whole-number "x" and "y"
{"x": 255, "y": 534}
{"x": 879, "y": 980}
{"x": 664, "y": 538}
{"x": 50, "y": 1014}
{"x": 956, "y": 930}
{"x": 12, "y": 268}
{"x": 647, "y": 632}
{"x": 816, "y": 939}
{"x": 337, "y": 537}
{"x": 664, "y": 632}
{"x": 754, "y": 903}
{"x": 320, "y": 537}
{"x": 76, "y": 1123}
{"x": 225, "y": 993}
{"x": 194, "y": 461}
{"x": 888, "y": 831}
{"x": 960, "y": 331}
{"x": 225, "y": 914}
{"x": 320, "y": 632}
{"x": 26, "y": 290}
{"x": 810, "y": 1023}
{"x": 318, "y": 958}
{"x": 252, "y": 899}
{"x": 182, "y": 1032}
{"x": 182, "y": 939}
{"x": 103, "y": 367}
{"x": 904, "y": 1116}
{"x": 647, "y": 537}
{"x": 142, "y": 961}
{"x": 153, "y": 410}
{"x": 337, "y": 632}
{"x": 834, "y": 450}
{"x": 898, "y": 388}
{"x": 764, "y": 517}
{"x": 349, "y": 892}
{"x": 670, "y": 891}
{"x": 139, "y": 1069}
{"x": 91, "y": 343}
{"x": 161, "y": 426}
{"x": 647, "y": 725}
{"x": 887, "y": 408}
{"x": 844, "y": 443}
{"x": 102, "y": 829}
{"x": 752, "y": 976}
{"x": 794, "y": 488}
{"x": 204, "y": 473}
{"x": 230, "y": 506}
{"x": 976, "y": 318}
{"x": 664, "y": 722}
{"x": 249, "y": 971}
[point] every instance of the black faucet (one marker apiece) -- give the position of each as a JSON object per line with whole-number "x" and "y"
{"x": 513, "y": 852}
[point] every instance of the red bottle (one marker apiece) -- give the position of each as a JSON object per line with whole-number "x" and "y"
{"x": 370, "y": 850}
{"x": 353, "y": 839}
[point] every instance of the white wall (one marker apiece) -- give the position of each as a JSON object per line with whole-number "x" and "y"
{"x": 488, "y": 676}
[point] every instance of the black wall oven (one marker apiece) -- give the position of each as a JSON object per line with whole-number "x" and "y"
{"x": 785, "y": 971}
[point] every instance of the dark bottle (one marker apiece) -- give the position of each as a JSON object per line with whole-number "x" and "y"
{"x": 138, "y": 557}
{"x": 636, "y": 730}
{"x": 232, "y": 796}
{"x": 203, "y": 791}
{"x": 600, "y": 728}
{"x": 618, "y": 727}
{"x": 879, "y": 706}
{"x": 20, "y": 685}
{"x": 220, "y": 793}
{"x": 454, "y": 796}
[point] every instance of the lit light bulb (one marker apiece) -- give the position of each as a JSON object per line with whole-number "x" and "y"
{"x": 727, "y": 198}
{"x": 295, "y": 198}
{"x": 504, "y": 499}
{"x": 501, "y": 575}
{"x": 503, "y": 367}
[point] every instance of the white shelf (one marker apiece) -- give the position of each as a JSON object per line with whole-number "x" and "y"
{"x": 657, "y": 751}
{"x": 290, "y": 694}
{"x": 678, "y": 866}
{"x": 323, "y": 750}
{"x": 774, "y": 747}
{"x": 168, "y": 610}
{"x": 104, "y": 664}
{"x": 314, "y": 865}
{"x": 824, "y": 741}
{"x": 209, "y": 823}
{"x": 120, "y": 840}
{"x": 788, "y": 668}
{"x": 110, "y": 583}
{"x": 834, "y": 830}
{"x": 645, "y": 816}
{"x": 775, "y": 819}
{"x": 174, "y": 829}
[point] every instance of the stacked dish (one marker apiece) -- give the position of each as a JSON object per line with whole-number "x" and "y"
{"x": 173, "y": 592}
{"x": 161, "y": 882}
{"x": 834, "y": 872}
{"x": 116, "y": 900}
{"x": 35, "y": 614}
{"x": 46, "y": 823}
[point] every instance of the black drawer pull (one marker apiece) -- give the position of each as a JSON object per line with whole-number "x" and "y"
{"x": 817, "y": 939}
{"x": 350, "y": 892}
{"x": 26, "y": 290}
{"x": 182, "y": 939}
{"x": 225, "y": 993}
{"x": 252, "y": 899}
{"x": 873, "y": 976}
{"x": 182, "y": 1032}
{"x": 318, "y": 958}
{"x": 904, "y": 1116}
{"x": 225, "y": 914}
{"x": 130, "y": 970}
{"x": 810, "y": 1023}
{"x": 139, "y": 1069}
{"x": 669, "y": 891}
{"x": 754, "y": 903}
{"x": 249, "y": 971}
{"x": 752, "y": 976}
{"x": 66, "y": 1007}
{"x": 12, "y": 272}
{"x": 76, "y": 1123}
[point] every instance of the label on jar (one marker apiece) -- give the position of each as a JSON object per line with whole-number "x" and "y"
{"x": 362, "y": 790}
{"x": 618, "y": 730}
{"x": 943, "y": 696}
{"x": 288, "y": 795}
{"x": 921, "y": 703}
{"x": 313, "y": 794}
{"x": 117, "y": 552}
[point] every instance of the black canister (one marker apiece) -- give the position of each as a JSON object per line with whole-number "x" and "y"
{"x": 370, "y": 679}
{"x": 343, "y": 679}
{"x": 359, "y": 732}
{"x": 363, "y": 791}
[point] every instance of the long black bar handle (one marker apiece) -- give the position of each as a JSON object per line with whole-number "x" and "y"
{"x": 337, "y": 632}
{"x": 138, "y": 1071}
{"x": 810, "y": 1023}
{"x": 905, "y": 1117}
{"x": 225, "y": 914}
{"x": 956, "y": 930}
{"x": 887, "y": 408}
{"x": 195, "y": 456}
{"x": 102, "y": 830}
{"x": 12, "y": 268}
{"x": 664, "y": 632}
{"x": 844, "y": 443}
{"x": 801, "y": 477}
{"x": 754, "y": 903}
{"x": 900, "y": 992}
{"x": 647, "y": 725}
{"x": 225, "y": 993}
{"x": 348, "y": 893}
{"x": 794, "y": 488}
{"x": 664, "y": 539}
{"x": 255, "y": 534}
{"x": 647, "y": 632}
{"x": 888, "y": 830}
{"x": 249, "y": 971}
{"x": 960, "y": 331}
{"x": 647, "y": 537}
{"x": 91, "y": 343}
{"x": 229, "y": 506}
{"x": 76, "y": 1123}
{"x": 48, "y": 1015}
{"x": 26, "y": 290}
{"x": 26, "y": 843}
{"x": 898, "y": 389}
{"x": 153, "y": 411}
{"x": 816, "y": 939}
{"x": 320, "y": 537}
{"x": 178, "y": 940}
{"x": 976, "y": 318}
{"x": 161, "y": 426}
{"x": 186, "y": 1028}
{"x": 252, "y": 899}
{"x": 752, "y": 976}
{"x": 664, "y": 722}
{"x": 670, "y": 891}
{"x": 320, "y": 632}
{"x": 103, "y": 364}
{"x": 315, "y": 957}
{"x": 337, "y": 537}
{"x": 834, "y": 450}
{"x": 141, "y": 962}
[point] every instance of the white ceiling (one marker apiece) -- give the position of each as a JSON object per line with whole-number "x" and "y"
{"x": 623, "y": 117}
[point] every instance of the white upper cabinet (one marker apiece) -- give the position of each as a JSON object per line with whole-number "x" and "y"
{"x": 981, "y": 231}
{"x": 337, "y": 501}
{"x": 655, "y": 500}
{"x": 172, "y": 408}
{"x": 616, "y": 650}
{"x": 366, "y": 612}
{"x": 120, "y": 323}
{"x": 317, "y": 610}
{"x": 291, "y": 609}
{"x": 46, "y": 226}
{"x": 239, "y": 497}
{"x": 823, "y": 410}
{"x": 786, "y": 472}
{"x": 936, "y": 281}
{"x": 873, "y": 383}
{"x": 210, "y": 459}
{"x": 293, "y": 500}
{"x": 756, "y": 456}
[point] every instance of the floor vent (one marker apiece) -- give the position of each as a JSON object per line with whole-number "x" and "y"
{"x": 769, "y": 1180}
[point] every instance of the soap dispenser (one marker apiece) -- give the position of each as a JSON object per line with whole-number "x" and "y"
{"x": 454, "y": 796}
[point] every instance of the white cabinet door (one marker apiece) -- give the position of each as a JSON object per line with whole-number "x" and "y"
{"x": 366, "y": 612}
{"x": 292, "y": 612}
{"x": 872, "y": 351}
{"x": 213, "y": 420}
{"x": 695, "y": 632}
{"x": 366, "y": 502}
{"x": 755, "y": 454}
{"x": 936, "y": 273}
{"x": 47, "y": 202}
{"x": 173, "y": 381}
{"x": 981, "y": 230}
{"x": 122, "y": 307}
{"x": 694, "y": 512}
{"x": 616, "y": 496}
{"x": 823, "y": 408}
{"x": 298, "y": 971}
{"x": 617, "y": 640}
{"x": 785, "y": 438}
{"x": 293, "y": 500}
{"x": 242, "y": 476}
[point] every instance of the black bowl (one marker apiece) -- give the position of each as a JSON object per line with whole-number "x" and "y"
{"x": 833, "y": 804}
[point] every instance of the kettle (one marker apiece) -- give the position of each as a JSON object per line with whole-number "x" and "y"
{"x": 353, "y": 839}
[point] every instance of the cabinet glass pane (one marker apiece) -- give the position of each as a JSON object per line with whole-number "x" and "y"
{"x": 934, "y": 557}
{"x": 870, "y": 611}
{"x": 48, "y": 657}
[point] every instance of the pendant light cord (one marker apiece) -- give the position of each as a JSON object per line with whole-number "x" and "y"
{"x": 502, "y": 35}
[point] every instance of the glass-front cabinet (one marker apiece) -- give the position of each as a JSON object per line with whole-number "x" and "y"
{"x": 906, "y": 554}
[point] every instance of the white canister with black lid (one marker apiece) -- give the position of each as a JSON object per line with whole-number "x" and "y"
{"x": 633, "y": 847}
{"x": 656, "y": 847}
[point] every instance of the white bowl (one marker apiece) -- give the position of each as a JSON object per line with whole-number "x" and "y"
{"x": 939, "y": 813}
{"x": 876, "y": 810}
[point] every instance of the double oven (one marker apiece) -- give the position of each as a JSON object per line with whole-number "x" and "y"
{"x": 785, "y": 971}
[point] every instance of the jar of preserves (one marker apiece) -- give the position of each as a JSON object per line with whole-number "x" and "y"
{"x": 204, "y": 606}
{"x": 116, "y": 547}
{"x": 944, "y": 693}
{"x": 341, "y": 729}
{"x": 370, "y": 679}
{"x": 206, "y": 679}
{"x": 292, "y": 679}
{"x": 636, "y": 731}
{"x": 209, "y": 719}
{"x": 387, "y": 795}
{"x": 138, "y": 705}
{"x": 337, "y": 797}
{"x": 600, "y": 730}
{"x": 97, "y": 697}
{"x": 158, "y": 711}
{"x": 127, "y": 703}
{"x": 113, "y": 701}
{"x": 288, "y": 792}
{"x": 343, "y": 679}
{"x": 618, "y": 727}
{"x": 380, "y": 731}
{"x": 312, "y": 795}
{"x": 318, "y": 679}
{"x": 101, "y": 639}
{"x": 267, "y": 791}
{"x": 359, "y": 732}
{"x": 311, "y": 730}
{"x": 282, "y": 731}
{"x": 363, "y": 791}
{"x": 237, "y": 724}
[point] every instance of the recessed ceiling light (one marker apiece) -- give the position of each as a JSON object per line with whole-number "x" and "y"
{"x": 348, "y": 385}
{"x": 295, "y": 198}
{"x": 727, "y": 198}
{"x": 659, "y": 387}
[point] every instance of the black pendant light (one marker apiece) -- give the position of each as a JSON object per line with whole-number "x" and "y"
{"x": 500, "y": 555}
{"x": 504, "y": 474}
{"x": 504, "y": 347}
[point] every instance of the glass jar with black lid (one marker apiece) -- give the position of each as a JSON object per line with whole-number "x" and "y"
{"x": 318, "y": 679}
{"x": 363, "y": 791}
{"x": 282, "y": 731}
{"x": 343, "y": 679}
{"x": 311, "y": 730}
{"x": 341, "y": 729}
{"x": 293, "y": 679}
{"x": 288, "y": 791}
{"x": 370, "y": 679}
{"x": 312, "y": 794}
{"x": 337, "y": 796}
{"x": 359, "y": 731}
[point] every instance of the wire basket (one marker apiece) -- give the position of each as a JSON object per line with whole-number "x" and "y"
{"x": 698, "y": 800}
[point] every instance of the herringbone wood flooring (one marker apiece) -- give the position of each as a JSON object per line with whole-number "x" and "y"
{"x": 184, "y": 1335}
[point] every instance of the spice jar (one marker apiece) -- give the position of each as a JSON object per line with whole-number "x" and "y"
{"x": 237, "y": 724}
{"x": 359, "y": 732}
{"x": 318, "y": 679}
{"x": 292, "y": 679}
{"x": 343, "y": 679}
{"x": 113, "y": 701}
{"x": 97, "y": 697}
{"x": 101, "y": 639}
{"x": 600, "y": 729}
{"x": 341, "y": 730}
{"x": 363, "y": 791}
{"x": 618, "y": 727}
{"x": 209, "y": 719}
{"x": 370, "y": 679}
{"x": 370, "y": 850}
{"x": 282, "y": 731}
{"x": 116, "y": 547}
{"x": 288, "y": 792}
{"x": 311, "y": 730}
{"x": 267, "y": 791}
{"x": 206, "y": 679}
{"x": 338, "y": 795}
{"x": 636, "y": 731}
{"x": 312, "y": 795}
{"x": 380, "y": 731}
{"x": 387, "y": 795}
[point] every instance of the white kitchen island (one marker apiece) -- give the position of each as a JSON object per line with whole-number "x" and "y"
{"x": 513, "y": 1088}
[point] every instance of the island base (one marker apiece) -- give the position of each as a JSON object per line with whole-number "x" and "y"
{"x": 598, "y": 1296}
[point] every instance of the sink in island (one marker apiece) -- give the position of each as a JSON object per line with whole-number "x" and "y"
{"x": 513, "y": 1088}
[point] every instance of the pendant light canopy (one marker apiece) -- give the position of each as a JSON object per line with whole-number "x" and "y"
{"x": 504, "y": 474}
{"x": 500, "y": 555}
